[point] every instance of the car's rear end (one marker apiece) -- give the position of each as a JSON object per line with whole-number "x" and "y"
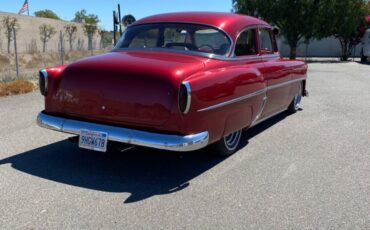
{"x": 127, "y": 96}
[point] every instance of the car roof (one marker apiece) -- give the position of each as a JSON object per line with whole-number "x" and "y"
{"x": 231, "y": 23}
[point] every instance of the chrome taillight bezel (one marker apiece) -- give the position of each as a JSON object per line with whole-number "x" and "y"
{"x": 184, "y": 97}
{"x": 43, "y": 82}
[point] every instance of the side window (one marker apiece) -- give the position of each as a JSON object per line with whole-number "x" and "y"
{"x": 173, "y": 35}
{"x": 246, "y": 43}
{"x": 211, "y": 41}
{"x": 147, "y": 38}
{"x": 266, "y": 42}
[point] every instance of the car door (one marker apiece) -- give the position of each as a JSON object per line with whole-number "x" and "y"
{"x": 247, "y": 53}
{"x": 275, "y": 72}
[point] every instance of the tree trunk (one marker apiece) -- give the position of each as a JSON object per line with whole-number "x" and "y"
{"x": 70, "y": 44}
{"x": 9, "y": 40}
{"x": 293, "y": 52}
{"x": 90, "y": 37}
{"x": 346, "y": 49}
{"x": 43, "y": 46}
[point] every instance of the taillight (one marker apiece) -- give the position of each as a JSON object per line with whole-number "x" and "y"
{"x": 43, "y": 82}
{"x": 184, "y": 97}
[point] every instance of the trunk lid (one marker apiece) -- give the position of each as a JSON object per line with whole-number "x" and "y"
{"x": 137, "y": 88}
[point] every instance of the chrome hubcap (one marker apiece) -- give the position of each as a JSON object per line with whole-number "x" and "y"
{"x": 232, "y": 140}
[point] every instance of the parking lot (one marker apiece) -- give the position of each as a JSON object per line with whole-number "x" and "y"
{"x": 307, "y": 170}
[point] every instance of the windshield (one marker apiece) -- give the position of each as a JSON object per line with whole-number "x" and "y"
{"x": 176, "y": 36}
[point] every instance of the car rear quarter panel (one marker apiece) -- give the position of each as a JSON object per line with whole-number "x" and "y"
{"x": 221, "y": 85}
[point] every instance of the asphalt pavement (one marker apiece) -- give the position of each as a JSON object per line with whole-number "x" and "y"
{"x": 310, "y": 170}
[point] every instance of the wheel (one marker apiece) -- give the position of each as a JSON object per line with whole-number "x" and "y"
{"x": 228, "y": 144}
{"x": 296, "y": 102}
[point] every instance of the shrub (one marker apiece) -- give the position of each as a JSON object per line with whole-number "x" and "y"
{"x": 16, "y": 87}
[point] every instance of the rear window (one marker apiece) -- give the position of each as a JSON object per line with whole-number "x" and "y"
{"x": 176, "y": 36}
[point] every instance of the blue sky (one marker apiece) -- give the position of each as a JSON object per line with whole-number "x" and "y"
{"x": 139, "y": 8}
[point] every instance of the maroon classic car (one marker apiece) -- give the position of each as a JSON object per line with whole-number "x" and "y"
{"x": 178, "y": 82}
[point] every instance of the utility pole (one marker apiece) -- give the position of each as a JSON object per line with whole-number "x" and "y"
{"x": 115, "y": 21}
{"x": 28, "y": 7}
{"x": 16, "y": 52}
{"x": 119, "y": 20}
{"x": 61, "y": 48}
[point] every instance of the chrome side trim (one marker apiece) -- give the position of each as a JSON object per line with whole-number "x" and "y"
{"x": 188, "y": 89}
{"x": 124, "y": 135}
{"x": 261, "y": 110}
{"x": 285, "y": 83}
{"x": 266, "y": 118}
{"x": 250, "y": 95}
{"x": 259, "y": 92}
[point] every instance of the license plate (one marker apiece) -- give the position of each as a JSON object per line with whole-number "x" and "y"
{"x": 93, "y": 140}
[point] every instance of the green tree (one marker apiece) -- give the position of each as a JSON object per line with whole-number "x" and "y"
{"x": 71, "y": 30}
{"x": 46, "y": 14}
{"x": 46, "y": 32}
{"x": 246, "y": 7}
{"x": 80, "y": 16}
{"x": 294, "y": 18}
{"x": 342, "y": 19}
{"x": 90, "y": 25}
{"x": 9, "y": 24}
{"x": 307, "y": 19}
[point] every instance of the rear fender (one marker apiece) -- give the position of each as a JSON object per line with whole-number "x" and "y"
{"x": 215, "y": 105}
{"x": 54, "y": 75}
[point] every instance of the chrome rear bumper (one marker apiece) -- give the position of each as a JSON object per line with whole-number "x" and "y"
{"x": 128, "y": 136}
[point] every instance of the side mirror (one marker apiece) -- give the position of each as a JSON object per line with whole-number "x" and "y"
{"x": 276, "y": 31}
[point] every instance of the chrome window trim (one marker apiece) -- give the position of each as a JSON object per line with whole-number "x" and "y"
{"x": 252, "y": 57}
{"x": 205, "y": 55}
{"x": 250, "y": 27}
{"x": 167, "y": 50}
{"x": 259, "y": 92}
{"x": 229, "y": 56}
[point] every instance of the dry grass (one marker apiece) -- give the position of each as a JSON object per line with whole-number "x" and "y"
{"x": 4, "y": 61}
{"x": 35, "y": 62}
{"x": 29, "y": 64}
{"x": 16, "y": 87}
{"x": 74, "y": 55}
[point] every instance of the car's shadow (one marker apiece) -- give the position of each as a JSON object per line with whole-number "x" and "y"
{"x": 364, "y": 63}
{"x": 141, "y": 172}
